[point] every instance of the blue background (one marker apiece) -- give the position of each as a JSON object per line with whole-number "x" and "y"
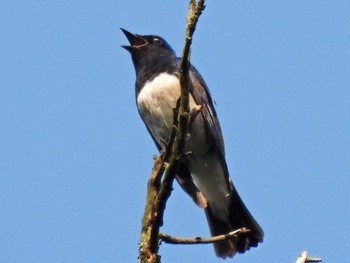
{"x": 75, "y": 156}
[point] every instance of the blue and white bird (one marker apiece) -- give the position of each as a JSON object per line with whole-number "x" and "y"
{"x": 202, "y": 174}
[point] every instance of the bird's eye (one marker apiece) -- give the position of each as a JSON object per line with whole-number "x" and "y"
{"x": 156, "y": 40}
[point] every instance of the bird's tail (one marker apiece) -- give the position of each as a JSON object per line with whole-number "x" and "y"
{"x": 238, "y": 217}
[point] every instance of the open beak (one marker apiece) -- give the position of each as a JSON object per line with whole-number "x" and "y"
{"x": 135, "y": 41}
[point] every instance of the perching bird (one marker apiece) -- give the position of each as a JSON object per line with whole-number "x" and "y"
{"x": 203, "y": 173}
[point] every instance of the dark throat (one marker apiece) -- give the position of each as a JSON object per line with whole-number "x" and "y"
{"x": 149, "y": 67}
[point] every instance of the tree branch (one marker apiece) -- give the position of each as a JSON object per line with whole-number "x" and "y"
{"x": 200, "y": 240}
{"x": 303, "y": 258}
{"x": 159, "y": 191}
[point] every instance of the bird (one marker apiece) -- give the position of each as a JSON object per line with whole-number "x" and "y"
{"x": 203, "y": 172}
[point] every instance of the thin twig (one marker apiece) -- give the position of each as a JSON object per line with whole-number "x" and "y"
{"x": 201, "y": 240}
{"x": 303, "y": 258}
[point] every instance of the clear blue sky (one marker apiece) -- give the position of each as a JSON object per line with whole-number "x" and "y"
{"x": 75, "y": 156}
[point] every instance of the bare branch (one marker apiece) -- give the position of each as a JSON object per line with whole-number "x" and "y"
{"x": 303, "y": 258}
{"x": 159, "y": 191}
{"x": 200, "y": 240}
{"x": 180, "y": 127}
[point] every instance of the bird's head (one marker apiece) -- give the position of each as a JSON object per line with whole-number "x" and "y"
{"x": 149, "y": 50}
{"x": 139, "y": 43}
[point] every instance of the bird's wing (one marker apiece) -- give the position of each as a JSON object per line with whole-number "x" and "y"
{"x": 201, "y": 96}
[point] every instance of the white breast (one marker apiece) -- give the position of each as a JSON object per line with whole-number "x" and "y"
{"x": 156, "y": 102}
